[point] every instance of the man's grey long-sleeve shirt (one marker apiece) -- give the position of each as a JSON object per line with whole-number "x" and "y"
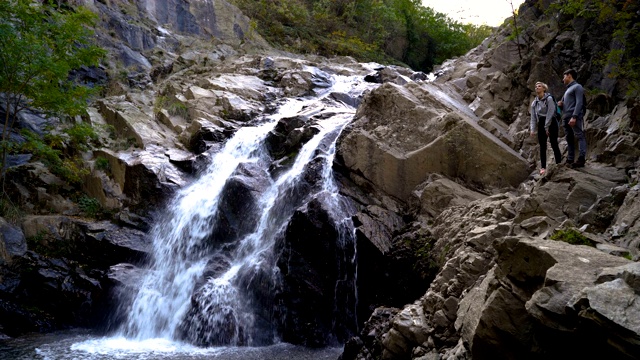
{"x": 572, "y": 101}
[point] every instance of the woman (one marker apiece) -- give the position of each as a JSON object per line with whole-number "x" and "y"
{"x": 542, "y": 121}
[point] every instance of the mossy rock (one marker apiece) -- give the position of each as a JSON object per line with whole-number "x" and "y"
{"x": 572, "y": 236}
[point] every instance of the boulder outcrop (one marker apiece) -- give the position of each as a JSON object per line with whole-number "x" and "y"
{"x": 401, "y": 134}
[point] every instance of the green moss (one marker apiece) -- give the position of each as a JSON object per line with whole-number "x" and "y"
{"x": 571, "y": 236}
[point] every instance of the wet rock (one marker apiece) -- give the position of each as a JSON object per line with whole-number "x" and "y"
{"x": 239, "y": 204}
{"x": 184, "y": 160}
{"x": 202, "y": 135}
{"x": 374, "y": 327}
{"x": 99, "y": 244}
{"x": 287, "y": 136}
{"x": 310, "y": 268}
{"x": 297, "y": 83}
{"x": 50, "y": 294}
{"x": 245, "y": 86}
{"x": 389, "y": 74}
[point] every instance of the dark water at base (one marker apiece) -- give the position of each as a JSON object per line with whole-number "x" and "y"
{"x": 78, "y": 345}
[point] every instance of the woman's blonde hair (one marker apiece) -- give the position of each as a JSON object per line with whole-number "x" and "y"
{"x": 544, "y": 86}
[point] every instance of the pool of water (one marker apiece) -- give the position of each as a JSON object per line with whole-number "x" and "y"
{"x": 81, "y": 345}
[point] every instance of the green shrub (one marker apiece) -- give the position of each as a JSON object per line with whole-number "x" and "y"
{"x": 70, "y": 169}
{"x": 89, "y": 206}
{"x": 111, "y": 130}
{"x": 81, "y": 135}
{"x": 571, "y": 236}
{"x": 102, "y": 163}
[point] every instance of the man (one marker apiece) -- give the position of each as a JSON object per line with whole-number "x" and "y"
{"x": 573, "y": 110}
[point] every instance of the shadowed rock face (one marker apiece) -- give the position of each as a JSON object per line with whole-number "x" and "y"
{"x": 238, "y": 213}
{"x": 218, "y": 19}
{"x": 542, "y": 291}
{"x": 316, "y": 274}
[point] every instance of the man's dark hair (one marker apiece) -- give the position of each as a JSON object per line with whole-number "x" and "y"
{"x": 571, "y": 72}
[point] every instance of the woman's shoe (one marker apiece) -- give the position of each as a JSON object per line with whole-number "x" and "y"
{"x": 542, "y": 171}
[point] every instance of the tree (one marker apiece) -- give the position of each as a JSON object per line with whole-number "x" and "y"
{"x": 516, "y": 30}
{"x": 39, "y": 45}
{"x": 387, "y": 31}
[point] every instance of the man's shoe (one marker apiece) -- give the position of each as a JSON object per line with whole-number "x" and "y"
{"x": 569, "y": 162}
{"x": 578, "y": 164}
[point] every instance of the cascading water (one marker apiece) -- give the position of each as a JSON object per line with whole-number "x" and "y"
{"x": 215, "y": 292}
{"x": 179, "y": 255}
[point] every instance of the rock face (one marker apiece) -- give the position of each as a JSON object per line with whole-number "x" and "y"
{"x": 316, "y": 275}
{"x": 402, "y": 134}
{"x": 536, "y": 297}
{"x": 55, "y": 275}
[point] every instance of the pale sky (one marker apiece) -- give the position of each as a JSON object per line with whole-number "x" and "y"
{"x": 479, "y": 12}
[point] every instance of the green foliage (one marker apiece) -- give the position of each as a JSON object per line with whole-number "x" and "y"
{"x": 81, "y": 135}
{"x": 49, "y": 149}
{"x": 172, "y": 105}
{"x": 90, "y": 206}
{"x": 394, "y": 31}
{"x": 9, "y": 211}
{"x": 103, "y": 164}
{"x": 110, "y": 129}
{"x": 571, "y": 236}
{"x": 39, "y": 45}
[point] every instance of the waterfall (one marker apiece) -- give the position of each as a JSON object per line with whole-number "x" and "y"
{"x": 222, "y": 292}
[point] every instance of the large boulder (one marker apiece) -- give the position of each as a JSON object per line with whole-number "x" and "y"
{"x": 549, "y": 290}
{"x": 133, "y": 124}
{"x": 402, "y": 133}
{"x": 135, "y": 179}
{"x": 238, "y": 211}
